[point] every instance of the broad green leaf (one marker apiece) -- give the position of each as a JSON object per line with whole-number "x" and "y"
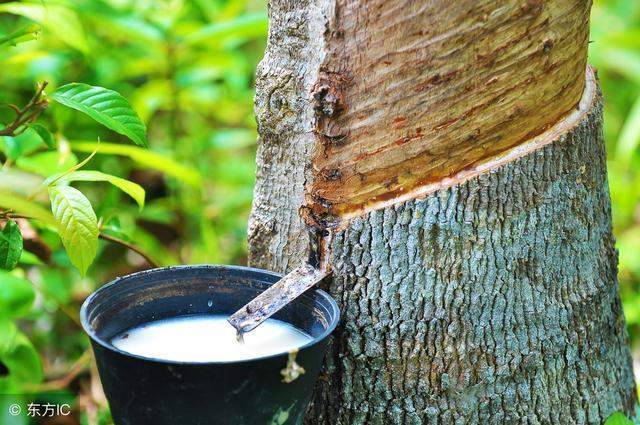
{"x": 45, "y": 135}
{"x": 22, "y": 205}
{"x": 130, "y": 188}
{"x": 77, "y": 225}
{"x": 56, "y": 19}
{"x": 146, "y": 158}
{"x": 105, "y": 106}
{"x": 18, "y": 354}
{"x": 16, "y": 295}
{"x": 47, "y": 163}
{"x": 618, "y": 418}
{"x": 10, "y": 245}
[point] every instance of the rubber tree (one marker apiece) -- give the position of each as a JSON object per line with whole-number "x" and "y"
{"x": 447, "y": 159}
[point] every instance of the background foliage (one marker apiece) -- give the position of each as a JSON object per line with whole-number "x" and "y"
{"x": 187, "y": 68}
{"x": 615, "y": 52}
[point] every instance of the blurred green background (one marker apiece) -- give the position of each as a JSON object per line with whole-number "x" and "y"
{"x": 615, "y": 52}
{"x": 187, "y": 66}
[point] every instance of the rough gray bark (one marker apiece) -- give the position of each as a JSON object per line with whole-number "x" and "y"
{"x": 277, "y": 234}
{"x": 494, "y": 301}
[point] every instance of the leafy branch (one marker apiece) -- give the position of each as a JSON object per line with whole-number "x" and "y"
{"x": 73, "y": 216}
{"x": 28, "y": 114}
{"x": 9, "y": 216}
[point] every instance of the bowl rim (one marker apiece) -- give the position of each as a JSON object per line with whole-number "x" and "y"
{"x": 88, "y": 329}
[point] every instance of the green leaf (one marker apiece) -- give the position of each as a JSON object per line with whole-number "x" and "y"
{"x": 18, "y": 354}
{"x": 618, "y": 418}
{"x": 45, "y": 135}
{"x": 105, "y": 106}
{"x": 10, "y": 245}
{"x": 24, "y": 361}
{"x": 146, "y": 158}
{"x": 16, "y": 295}
{"x": 130, "y": 188}
{"x": 77, "y": 225}
{"x": 21, "y": 205}
{"x": 56, "y": 19}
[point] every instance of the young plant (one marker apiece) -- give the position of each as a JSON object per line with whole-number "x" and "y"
{"x": 73, "y": 216}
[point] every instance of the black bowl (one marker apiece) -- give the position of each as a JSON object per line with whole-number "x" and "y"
{"x": 153, "y": 391}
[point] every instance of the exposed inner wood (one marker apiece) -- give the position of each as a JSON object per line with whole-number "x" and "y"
{"x": 564, "y": 125}
{"x": 416, "y": 95}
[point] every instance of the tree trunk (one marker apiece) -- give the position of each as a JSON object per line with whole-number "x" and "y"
{"x": 454, "y": 155}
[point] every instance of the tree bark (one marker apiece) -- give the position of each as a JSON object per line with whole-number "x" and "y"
{"x": 285, "y": 77}
{"x": 492, "y": 301}
{"x": 479, "y": 290}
